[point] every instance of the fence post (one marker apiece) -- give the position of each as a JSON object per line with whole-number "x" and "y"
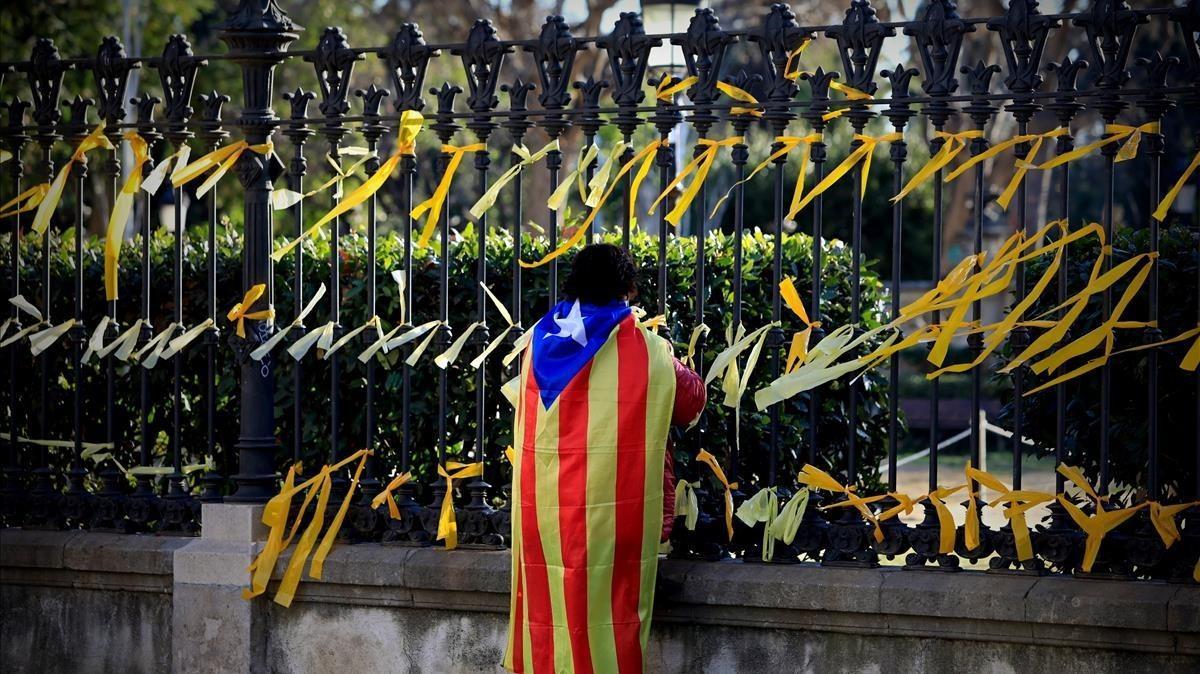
{"x": 258, "y": 34}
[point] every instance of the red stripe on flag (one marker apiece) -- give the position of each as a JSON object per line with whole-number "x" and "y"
{"x": 541, "y": 623}
{"x": 632, "y": 378}
{"x": 572, "y": 512}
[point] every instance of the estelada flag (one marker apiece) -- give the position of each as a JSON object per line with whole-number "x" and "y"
{"x": 593, "y": 410}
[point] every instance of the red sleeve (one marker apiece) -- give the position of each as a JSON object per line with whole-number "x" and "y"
{"x": 690, "y": 395}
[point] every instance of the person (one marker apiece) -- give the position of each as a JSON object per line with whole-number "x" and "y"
{"x": 593, "y": 488}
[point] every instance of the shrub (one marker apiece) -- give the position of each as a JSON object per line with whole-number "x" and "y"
{"x": 757, "y": 288}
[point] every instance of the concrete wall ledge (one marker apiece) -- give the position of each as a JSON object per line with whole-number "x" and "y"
{"x": 1148, "y": 617}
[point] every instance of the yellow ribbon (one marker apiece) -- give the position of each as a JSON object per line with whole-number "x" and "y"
{"x": 410, "y": 126}
{"x": 386, "y": 496}
{"x": 798, "y": 352}
{"x": 450, "y": 355}
{"x": 574, "y": 177}
{"x": 282, "y": 198}
{"x": 219, "y": 161}
{"x": 1022, "y": 165}
{"x": 689, "y": 358}
{"x": 44, "y": 339}
{"x": 1020, "y": 502}
{"x": 862, "y": 154}
{"x": 786, "y": 145}
{"x": 447, "y": 522}
{"x": 241, "y": 311}
{"x": 793, "y": 56}
{"x": 1113, "y": 133}
{"x": 122, "y": 207}
{"x": 182, "y": 341}
{"x": 644, "y": 160}
{"x": 739, "y": 94}
{"x": 1163, "y": 518}
{"x": 762, "y": 507}
{"x": 267, "y": 346}
{"x": 95, "y": 139}
{"x": 489, "y": 197}
{"x": 699, "y": 165}
{"x": 25, "y": 201}
{"x": 478, "y": 361}
{"x": 1164, "y": 206}
{"x": 955, "y": 143}
{"x": 816, "y": 478}
{"x": 1097, "y": 526}
{"x": 433, "y": 205}
{"x": 704, "y": 457}
{"x": 665, "y": 91}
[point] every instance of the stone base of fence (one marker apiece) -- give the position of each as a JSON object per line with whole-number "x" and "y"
{"x": 94, "y": 602}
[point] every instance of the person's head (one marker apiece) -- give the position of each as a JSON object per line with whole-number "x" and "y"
{"x": 601, "y": 273}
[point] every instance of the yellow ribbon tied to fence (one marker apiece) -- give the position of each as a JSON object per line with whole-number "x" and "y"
{"x": 699, "y": 165}
{"x": 387, "y": 495}
{"x": 219, "y": 161}
{"x": 275, "y": 516}
{"x": 1097, "y": 526}
{"x": 1114, "y": 133}
{"x": 114, "y": 234}
{"x": 410, "y": 126}
{"x": 955, "y": 143}
{"x": 644, "y": 159}
{"x": 798, "y": 352}
{"x": 786, "y": 144}
{"x": 431, "y": 208}
{"x": 687, "y": 505}
{"x": 25, "y": 201}
{"x": 703, "y": 456}
{"x": 1020, "y": 502}
{"x": 739, "y": 94}
{"x": 1164, "y": 206}
{"x": 528, "y": 158}
{"x": 1022, "y": 165}
{"x": 762, "y": 507}
{"x": 284, "y": 198}
{"x": 815, "y": 478}
{"x": 447, "y": 522}
{"x": 94, "y": 140}
{"x": 860, "y": 155}
{"x": 241, "y": 311}
{"x": 266, "y": 347}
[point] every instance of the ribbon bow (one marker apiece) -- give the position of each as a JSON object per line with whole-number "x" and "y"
{"x": 241, "y": 311}
{"x": 222, "y": 158}
{"x": 704, "y": 457}
{"x": 387, "y": 496}
{"x": 488, "y": 199}
{"x": 53, "y": 193}
{"x": 700, "y": 165}
{"x": 266, "y": 347}
{"x": 122, "y": 207}
{"x": 282, "y": 199}
{"x": 447, "y": 522}
{"x": 1097, "y": 526}
{"x": 739, "y": 94}
{"x": 433, "y": 205}
{"x": 1113, "y": 133}
{"x": 1020, "y": 502}
{"x": 818, "y": 479}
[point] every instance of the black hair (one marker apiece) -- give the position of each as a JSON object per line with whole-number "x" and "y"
{"x": 601, "y": 273}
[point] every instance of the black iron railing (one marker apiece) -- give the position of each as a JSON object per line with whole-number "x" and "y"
{"x": 56, "y": 474}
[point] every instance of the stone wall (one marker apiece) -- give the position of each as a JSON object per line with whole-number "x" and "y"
{"x": 94, "y": 602}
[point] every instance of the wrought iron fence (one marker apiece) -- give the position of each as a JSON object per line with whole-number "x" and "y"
{"x": 260, "y": 35}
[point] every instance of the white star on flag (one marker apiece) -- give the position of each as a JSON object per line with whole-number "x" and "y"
{"x": 571, "y": 326}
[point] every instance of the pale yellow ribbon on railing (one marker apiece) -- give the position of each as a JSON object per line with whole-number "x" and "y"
{"x": 1164, "y": 206}
{"x": 786, "y": 145}
{"x": 152, "y": 351}
{"x": 955, "y": 143}
{"x": 95, "y": 343}
{"x": 179, "y": 160}
{"x": 1163, "y": 518}
{"x": 182, "y": 341}
{"x": 282, "y": 198}
{"x": 382, "y": 340}
{"x": 1097, "y": 526}
{"x": 689, "y": 358}
{"x": 1113, "y": 133}
{"x": 485, "y": 202}
{"x": 478, "y": 361}
{"x": 687, "y": 505}
{"x": 114, "y": 234}
{"x": 241, "y": 311}
{"x": 699, "y": 165}
{"x": 387, "y": 496}
{"x": 122, "y": 347}
{"x": 59, "y": 444}
{"x": 946, "y": 527}
{"x": 321, "y": 337}
{"x": 410, "y": 126}
{"x": 25, "y": 201}
{"x": 23, "y": 306}
{"x": 95, "y": 139}
{"x": 704, "y": 457}
{"x": 275, "y": 516}
{"x": 794, "y": 55}
{"x": 599, "y": 181}
{"x": 644, "y": 160}
{"x": 44, "y": 339}
{"x": 412, "y": 334}
{"x": 372, "y": 322}
{"x": 862, "y": 154}
{"x": 762, "y": 507}
{"x": 447, "y": 358}
{"x": 573, "y": 178}
{"x": 433, "y": 205}
{"x": 267, "y": 346}
{"x": 447, "y": 522}
{"x": 733, "y": 381}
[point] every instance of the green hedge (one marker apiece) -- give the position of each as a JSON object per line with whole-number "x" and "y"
{"x": 757, "y": 288}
